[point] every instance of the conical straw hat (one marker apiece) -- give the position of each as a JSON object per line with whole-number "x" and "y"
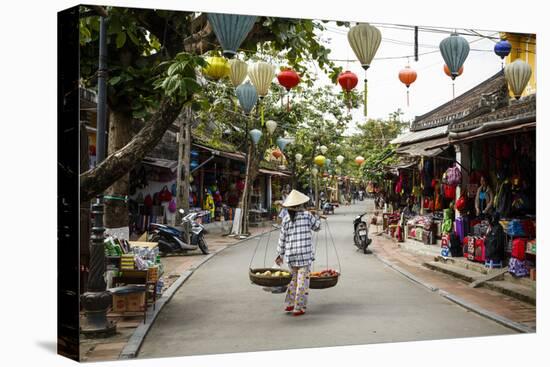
{"x": 295, "y": 198}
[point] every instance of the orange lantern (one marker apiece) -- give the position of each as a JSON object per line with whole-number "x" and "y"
{"x": 407, "y": 77}
{"x": 359, "y": 160}
{"x": 277, "y": 153}
{"x": 448, "y": 72}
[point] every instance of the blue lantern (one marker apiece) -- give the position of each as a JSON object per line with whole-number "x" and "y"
{"x": 231, "y": 30}
{"x": 327, "y": 162}
{"x": 503, "y": 48}
{"x": 194, "y": 164}
{"x": 255, "y": 135}
{"x": 247, "y": 95}
{"x": 455, "y": 50}
{"x": 282, "y": 143}
{"x": 194, "y": 154}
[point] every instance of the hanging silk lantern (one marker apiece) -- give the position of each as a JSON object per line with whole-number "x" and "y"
{"x": 327, "y": 162}
{"x": 319, "y": 160}
{"x": 407, "y": 76}
{"x": 237, "y": 71}
{"x": 503, "y": 48}
{"x": 347, "y": 81}
{"x": 455, "y": 50}
{"x": 261, "y": 75}
{"x": 247, "y": 96}
{"x": 277, "y": 153}
{"x": 323, "y": 149}
{"x": 359, "y": 160}
{"x": 288, "y": 78}
{"x": 217, "y": 67}
{"x": 314, "y": 171}
{"x": 231, "y": 30}
{"x": 282, "y": 143}
{"x": 255, "y": 135}
{"x": 298, "y": 157}
{"x": 270, "y": 126}
{"x": 340, "y": 159}
{"x": 364, "y": 39}
{"x": 517, "y": 75}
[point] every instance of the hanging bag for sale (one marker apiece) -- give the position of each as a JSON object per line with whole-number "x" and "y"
{"x": 454, "y": 175}
{"x": 165, "y": 195}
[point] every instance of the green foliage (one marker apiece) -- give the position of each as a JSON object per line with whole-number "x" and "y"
{"x": 178, "y": 81}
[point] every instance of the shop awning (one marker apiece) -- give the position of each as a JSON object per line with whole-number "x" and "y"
{"x": 425, "y": 148}
{"x": 421, "y": 135}
{"x": 273, "y": 173}
{"x": 235, "y": 156}
{"x": 161, "y": 163}
{"x": 482, "y": 134}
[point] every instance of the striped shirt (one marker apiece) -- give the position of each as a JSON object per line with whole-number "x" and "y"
{"x": 295, "y": 243}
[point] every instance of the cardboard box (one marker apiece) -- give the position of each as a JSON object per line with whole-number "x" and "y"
{"x": 129, "y": 302}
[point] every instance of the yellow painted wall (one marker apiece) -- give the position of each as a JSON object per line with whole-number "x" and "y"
{"x": 524, "y": 47}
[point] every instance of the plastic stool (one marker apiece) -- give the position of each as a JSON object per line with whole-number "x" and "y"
{"x": 493, "y": 264}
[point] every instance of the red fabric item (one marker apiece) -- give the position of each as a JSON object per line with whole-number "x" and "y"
{"x": 518, "y": 248}
{"x": 449, "y": 191}
{"x": 165, "y": 194}
{"x": 461, "y": 203}
{"x": 479, "y": 254}
{"x": 148, "y": 201}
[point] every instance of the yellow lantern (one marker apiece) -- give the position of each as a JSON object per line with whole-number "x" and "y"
{"x": 320, "y": 160}
{"x": 217, "y": 67}
{"x": 261, "y": 75}
{"x": 237, "y": 72}
{"x": 364, "y": 39}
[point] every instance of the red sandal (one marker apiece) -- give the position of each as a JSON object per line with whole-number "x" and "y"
{"x": 298, "y": 313}
{"x": 289, "y": 308}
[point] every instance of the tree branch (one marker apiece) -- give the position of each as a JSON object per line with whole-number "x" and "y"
{"x": 122, "y": 161}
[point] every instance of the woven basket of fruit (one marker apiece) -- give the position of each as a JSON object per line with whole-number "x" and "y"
{"x": 323, "y": 279}
{"x": 269, "y": 277}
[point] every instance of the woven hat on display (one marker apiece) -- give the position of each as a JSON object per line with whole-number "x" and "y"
{"x": 295, "y": 198}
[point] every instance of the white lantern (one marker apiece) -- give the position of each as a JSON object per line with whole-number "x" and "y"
{"x": 314, "y": 171}
{"x": 323, "y": 149}
{"x": 298, "y": 157}
{"x": 340, "y": 159}
{"x": 270, "y": 126}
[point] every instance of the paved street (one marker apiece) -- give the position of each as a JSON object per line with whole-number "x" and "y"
{"x": 218, "y": 310}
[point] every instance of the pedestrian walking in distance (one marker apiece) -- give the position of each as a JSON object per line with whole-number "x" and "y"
{"x": 296, "y": 249}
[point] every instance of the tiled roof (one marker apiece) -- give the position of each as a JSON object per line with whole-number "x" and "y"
{"x": 421, "y": 135}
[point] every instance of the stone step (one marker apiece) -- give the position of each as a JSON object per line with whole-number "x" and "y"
{"x": 509, "y": 288}
{"x": 456, "y": 271}
{"x": 523, "y": 293}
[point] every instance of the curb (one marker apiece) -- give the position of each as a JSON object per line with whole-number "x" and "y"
{"x": 459, "y": 301}
{"x": 405, "y": 273}
{"x": 136, "y": 340}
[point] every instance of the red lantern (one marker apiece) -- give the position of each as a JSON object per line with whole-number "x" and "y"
{"x": 288, "y": 78}
{"x": 407, "y": 77}
{"x": 277, "y": 153}
{"x": 448, "y": 72}
{"x": 347, "y": 81}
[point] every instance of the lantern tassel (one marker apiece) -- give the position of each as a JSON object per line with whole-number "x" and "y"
{"x": 453, "y": 90}
{"x": 407, "y": 97}
{"x": 262, "y": 114}
{"x": 365, "y": 96}
{"x": 288, "y": 103}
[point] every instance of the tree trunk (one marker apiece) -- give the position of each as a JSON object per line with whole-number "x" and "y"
{"x": 252, "y": 173}
{"x": 120, "y": 162}
{"x": 186, "y": 159}
{"x": 120, "y": 133}
{"x": 243, "y": 202}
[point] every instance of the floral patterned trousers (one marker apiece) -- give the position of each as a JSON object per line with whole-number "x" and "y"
{"x": 298, "y": 289}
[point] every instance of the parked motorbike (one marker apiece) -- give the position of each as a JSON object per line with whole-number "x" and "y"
{"x": 361, "y": 233}
{"x": 174, "y": 240}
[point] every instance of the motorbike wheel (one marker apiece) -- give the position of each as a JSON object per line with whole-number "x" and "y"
{"x": 365, "y": 248}
{"x": 203, "y": 246}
